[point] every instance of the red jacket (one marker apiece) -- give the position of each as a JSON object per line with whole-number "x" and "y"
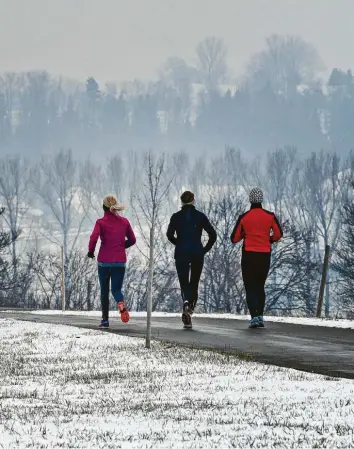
{"x": 116, "y": 236}
{"x": 258, "y": 228}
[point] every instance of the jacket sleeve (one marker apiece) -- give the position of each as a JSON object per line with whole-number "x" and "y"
{"x": 209, "y": 229}
{"x": 171, "y": 231}
{"x": 94, "y": 237}
{"x": 277, "y": 231}
{"x": 130, "y": 237}
{"x": 238, "y": 233}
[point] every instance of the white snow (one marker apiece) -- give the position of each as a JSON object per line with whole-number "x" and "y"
{"x": 64, "y": 387}
{"x": 339, "y": 323}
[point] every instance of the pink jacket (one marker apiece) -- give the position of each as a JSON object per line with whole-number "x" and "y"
{"x": 116, "y": 236}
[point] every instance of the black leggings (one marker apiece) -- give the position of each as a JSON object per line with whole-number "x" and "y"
{"x": 255, "y": 269}
{"x": 189, "y": 272}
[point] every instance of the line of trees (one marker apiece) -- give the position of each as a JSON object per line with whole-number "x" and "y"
{"x": 280, "y": 100}
{"x": 54, "y": 202}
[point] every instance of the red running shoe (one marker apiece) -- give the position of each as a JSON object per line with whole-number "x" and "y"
{"x": 124, "y": 314}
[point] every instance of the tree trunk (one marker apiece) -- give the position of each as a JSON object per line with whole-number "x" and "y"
{"x": 14, "y": 253}
{"x": 89, "y": 292}
{"x": 66, "y": 266}
{"x": 63, "y": 280}
{"x": 150, "y": 280}
{"x": 327, "y": 283}
{"x": 323, "y": 282}
{"x": 327, "y": 297}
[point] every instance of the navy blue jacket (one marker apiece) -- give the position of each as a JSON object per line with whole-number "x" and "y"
{"x": 185, "y": 232}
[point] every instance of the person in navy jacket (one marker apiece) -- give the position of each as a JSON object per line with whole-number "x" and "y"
{"x": 185, "y": 232}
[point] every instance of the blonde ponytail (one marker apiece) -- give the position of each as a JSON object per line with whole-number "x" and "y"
{"x": 111, "y": 203}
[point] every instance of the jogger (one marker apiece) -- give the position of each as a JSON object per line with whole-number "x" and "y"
{"x": 116, "y": 236}
{"x": 259, "y": 229}
{"x": 185, "y": 232}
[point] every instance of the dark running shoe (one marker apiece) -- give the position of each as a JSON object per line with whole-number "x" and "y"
{"x": 104, "y": 324}
{"x": 187, "y": 321}
{"x": 254, "y": 323}
{"x": 260, "y": 321}
{"x": 186, "y": 316}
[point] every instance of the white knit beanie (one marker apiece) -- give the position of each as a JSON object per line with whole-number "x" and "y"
{"x": 256, "y": 196}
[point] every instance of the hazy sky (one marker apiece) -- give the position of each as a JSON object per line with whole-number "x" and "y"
{"x": 124, "y": 39}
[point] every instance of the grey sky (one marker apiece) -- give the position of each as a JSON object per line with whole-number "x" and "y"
{"x": 123, "y": 39}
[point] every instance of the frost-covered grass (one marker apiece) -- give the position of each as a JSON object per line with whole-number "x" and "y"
{"x": 64, "y": 387}
{"x": 340, "y": 323}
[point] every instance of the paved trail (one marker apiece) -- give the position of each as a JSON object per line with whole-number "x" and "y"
{"x": 321, "y": 350}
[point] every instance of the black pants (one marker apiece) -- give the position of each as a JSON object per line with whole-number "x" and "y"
{"x": 255, "y": 269}
{"x": 189, "y": 272}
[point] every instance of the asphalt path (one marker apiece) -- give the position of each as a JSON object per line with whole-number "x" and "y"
{"x": 322, "y": 350}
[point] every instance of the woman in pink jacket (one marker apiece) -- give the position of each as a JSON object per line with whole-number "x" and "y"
{"x": 116, "y": 236}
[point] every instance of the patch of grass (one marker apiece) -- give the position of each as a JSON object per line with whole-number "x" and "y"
{"x": 106, "y": 391}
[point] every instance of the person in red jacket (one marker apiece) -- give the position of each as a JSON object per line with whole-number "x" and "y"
{"x": 259, "y": 229}
{"x": 116, "y": 236}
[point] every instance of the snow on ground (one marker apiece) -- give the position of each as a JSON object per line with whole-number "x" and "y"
{"x": 344, "y": 324}
{"x": 65, "y": 387}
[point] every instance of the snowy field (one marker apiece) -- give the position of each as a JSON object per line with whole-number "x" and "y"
{"x": 64, "y": 387}
{"x": 340, "y": 323}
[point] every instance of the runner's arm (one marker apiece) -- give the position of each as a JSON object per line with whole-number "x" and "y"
{"x": 277, "y": 231}
{"x": 93, "y": 238}
{"x": 131, "y": 239}
{"x": 237, "y": 234}
{"x": 209, "y": 229}
{"x": 171, "y": 231}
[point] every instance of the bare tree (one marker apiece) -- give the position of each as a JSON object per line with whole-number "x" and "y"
{"x": 290, "y": 267}
{"x": 280, "y": 167}
{"x": 179, "y": 167}
{"x": 93, "y": 182}
{"x": 344, "y": 257}
{"x": 83, "y": 292}
{"x": 47, "y": 270}
{"x": 5, "y": 267}
{"x": 325, "y": 193}
{"x": 198, "y": 177}
{"x": 177, "y": 73}
{"x": 115, "y": 175}
{"x": 176, "y": 79}
{"x": 221, "y": 286}
{"x": 211, "y": 54}
{"x": 56, "y": 182}
{"x": 96, "y": 182}
{"x": 148, "y": 206}
{"x": 286, "y": 63}
{"x": 15, "y": 195}
{"x": 14, "y": 283}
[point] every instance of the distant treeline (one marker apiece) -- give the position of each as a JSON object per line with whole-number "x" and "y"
{"x": 281, "y": 100}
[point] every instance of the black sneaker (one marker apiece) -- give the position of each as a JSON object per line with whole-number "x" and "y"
{"x": 104, "y": 324}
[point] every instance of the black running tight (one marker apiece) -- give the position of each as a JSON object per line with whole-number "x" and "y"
{"x": 255, "y": 269}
